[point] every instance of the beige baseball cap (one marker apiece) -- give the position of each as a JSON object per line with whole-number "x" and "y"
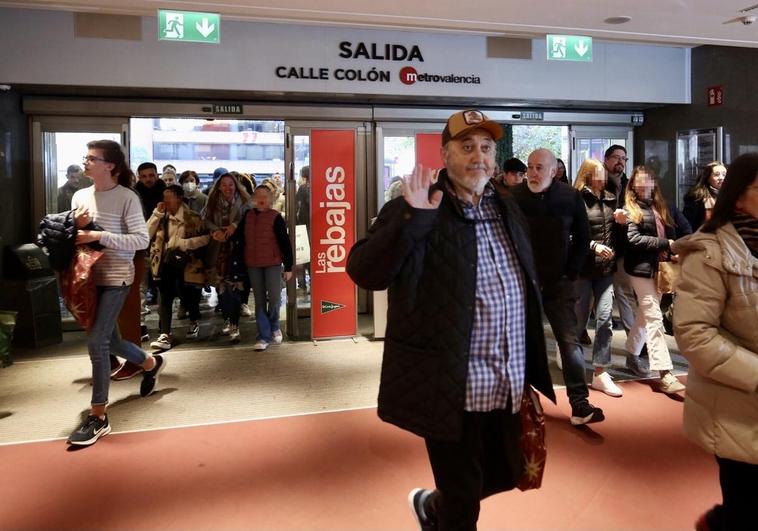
{"x": 464, "y": 121}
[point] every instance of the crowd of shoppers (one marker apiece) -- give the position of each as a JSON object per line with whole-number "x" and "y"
{"x": 513, "y": 248}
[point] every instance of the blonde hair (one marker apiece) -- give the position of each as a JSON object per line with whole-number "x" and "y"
{"x": 586, "y": 170}
{"x": 631, "y": 199}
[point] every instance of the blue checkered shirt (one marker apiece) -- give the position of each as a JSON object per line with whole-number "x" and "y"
{"x": 497, "y": 353}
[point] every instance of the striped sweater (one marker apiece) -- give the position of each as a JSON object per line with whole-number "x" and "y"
{"x": 119, "y": 212}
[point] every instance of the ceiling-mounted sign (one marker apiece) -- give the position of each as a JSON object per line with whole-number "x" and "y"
{"x": 569, "y": 48}
{"x": 715, "y": 96}
{"x": 189, "y": 26}
{"x": 533, "y": 116}
{"x": 227, "y": 108}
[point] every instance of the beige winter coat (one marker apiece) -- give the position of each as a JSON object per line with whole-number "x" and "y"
{"x": 186, "y": 232}
{"x": 716, "y": 327}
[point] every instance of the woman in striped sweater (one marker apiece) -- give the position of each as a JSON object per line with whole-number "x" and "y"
{"x": 112, "y": 205}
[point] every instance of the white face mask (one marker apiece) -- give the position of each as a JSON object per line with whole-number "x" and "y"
{"x": 190, "y": 187}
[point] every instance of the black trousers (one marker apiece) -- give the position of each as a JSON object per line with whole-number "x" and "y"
{"x": 486, "y": 460}
{"x": 172, "y": 285}
{"x": 559, "y": 301}
{"x": 739, "y": 488}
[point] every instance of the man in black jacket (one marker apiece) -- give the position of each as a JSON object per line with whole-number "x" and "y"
{"x": 560, "y": 235}
{"x": 150, "y": 190}
{"x": 464, "y": 331}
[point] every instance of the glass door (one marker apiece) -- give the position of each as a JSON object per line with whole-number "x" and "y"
{"x": 590, "y": 142}
{"x": 58, "y": 145}
{"x": 326, "y": 175}
{"x": 399, "y": 147}
{"x": 694, "y": 149}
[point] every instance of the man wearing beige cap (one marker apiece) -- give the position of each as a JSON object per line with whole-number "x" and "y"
{"x": 464, "y": 325}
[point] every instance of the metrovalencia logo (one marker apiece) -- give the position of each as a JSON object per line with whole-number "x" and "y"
{"x": 409, "y": 76}
{"x": 327, "y": 306}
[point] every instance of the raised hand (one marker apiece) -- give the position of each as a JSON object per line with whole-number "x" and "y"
{"x": 416, "y": 189}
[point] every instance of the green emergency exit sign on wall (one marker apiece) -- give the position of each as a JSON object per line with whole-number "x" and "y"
{"x": 189, "y": 26}
{"x": 569, "y": 48}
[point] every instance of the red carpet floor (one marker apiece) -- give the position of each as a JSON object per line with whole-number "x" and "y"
{"x": 348, "y": 470}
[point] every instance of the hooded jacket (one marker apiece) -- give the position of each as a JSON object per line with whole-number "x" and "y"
{"x": 715, "y": 328}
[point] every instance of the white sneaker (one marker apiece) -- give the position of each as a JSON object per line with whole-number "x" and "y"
{"x": 670, "y": 385}
{"x": 227, "y": 327}
{"x": 260, "y": 345}
{"x": 162, "y": 343}
{"x": 234, "y": 334}
{"x": 277, "y": 337}
{"x": 245, "y": 311}
{"x": 604, "y": 383}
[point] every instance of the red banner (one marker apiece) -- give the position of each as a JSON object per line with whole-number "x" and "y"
{"x": 428, "y": 150}
{"x": 333, "y": 298}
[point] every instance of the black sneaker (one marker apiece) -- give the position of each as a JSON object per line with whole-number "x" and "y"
{"x": 90, "y": 431}
{"x": 144, "y": 334}
{"x": 586, "y": 413}
{"x": 150, "y": 378}
{"x": 417, "y": 499}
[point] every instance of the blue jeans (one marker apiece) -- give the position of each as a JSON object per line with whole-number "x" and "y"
{"x": 105, "y": 338}
{"x": 267, "y": 289}
{"x": 623, "y": 294}
{"x": 602, "y": 290}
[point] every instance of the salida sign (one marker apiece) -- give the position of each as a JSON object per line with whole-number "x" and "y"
{"x": 408, "y": 75}
{"x": 333, "y": 306}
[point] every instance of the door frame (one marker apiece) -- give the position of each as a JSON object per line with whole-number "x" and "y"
{"x": 41, "y": 125}
{"x": 577, "y": 132}
{"x": 364, "y": 157}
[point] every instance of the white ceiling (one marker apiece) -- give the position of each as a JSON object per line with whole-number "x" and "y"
{"x": 683, "y": 22}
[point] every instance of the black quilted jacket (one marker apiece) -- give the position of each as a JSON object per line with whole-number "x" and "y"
{"x": 602, "y": 230}
{"x": 644, "y": 247}
{"x": 427, "y": 261}
{"x": 57, "y": 235}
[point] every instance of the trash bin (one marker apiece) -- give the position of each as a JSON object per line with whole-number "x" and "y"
{"x": 7, "y": 324}
{"x": 31, "y": 289}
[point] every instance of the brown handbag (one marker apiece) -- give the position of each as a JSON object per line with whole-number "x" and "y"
{"x": 533, "y": 449}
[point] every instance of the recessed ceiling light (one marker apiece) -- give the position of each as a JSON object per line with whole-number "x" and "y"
{"x": 617, "y": 20}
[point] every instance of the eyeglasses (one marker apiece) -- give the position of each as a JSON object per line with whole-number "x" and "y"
{"x": 90, "y": 158}
{"x": 619, "y": 158}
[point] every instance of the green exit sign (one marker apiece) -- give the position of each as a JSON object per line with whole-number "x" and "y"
{"x": 189, "y": 26}
{"x": 569, "y": 48}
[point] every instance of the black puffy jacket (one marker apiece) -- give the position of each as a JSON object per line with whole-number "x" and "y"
{"x": 427, "y": 260}
{"x": 644, "y": 246}
{"x": 559, "y": 229}
{"x": 602, "y": 230}
{"x": 57, "y": 236}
